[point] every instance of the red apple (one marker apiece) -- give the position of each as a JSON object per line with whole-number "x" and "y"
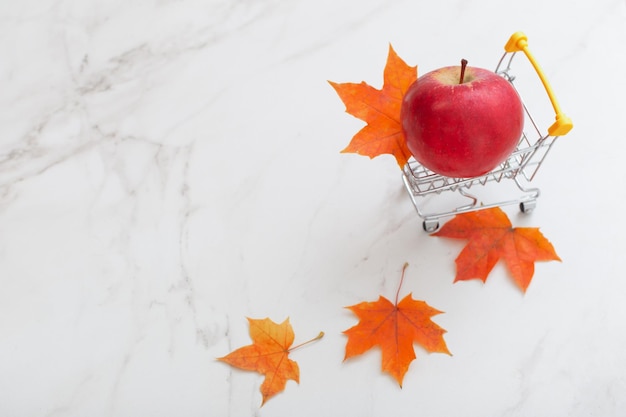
{"x": 461, "y": 121}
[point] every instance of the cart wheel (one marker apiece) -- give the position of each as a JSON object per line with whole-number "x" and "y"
{"x": 430, "y": 226}
{"x": 527, "y": 206}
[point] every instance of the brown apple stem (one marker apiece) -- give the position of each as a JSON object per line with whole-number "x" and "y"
{"x": 463, "y": 65}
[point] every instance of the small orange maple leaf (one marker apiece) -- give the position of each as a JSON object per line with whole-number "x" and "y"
{"x": 380, "y": 109}
{"x": 491, "y": 237}
{"x": 394, "y": 328}
{"x": 268, "y": 355}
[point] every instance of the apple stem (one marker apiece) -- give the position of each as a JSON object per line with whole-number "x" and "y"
{"x": 463, "y": 65}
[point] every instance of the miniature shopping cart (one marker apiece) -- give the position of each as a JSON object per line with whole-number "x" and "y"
{"x": 521, "y": 166}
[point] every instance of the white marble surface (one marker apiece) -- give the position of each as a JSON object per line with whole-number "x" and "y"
{"x": 170, "y": 167}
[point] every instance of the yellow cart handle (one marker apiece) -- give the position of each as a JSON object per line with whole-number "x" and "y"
{"x": 563, "y": 124}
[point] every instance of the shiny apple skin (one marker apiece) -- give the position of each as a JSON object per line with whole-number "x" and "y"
{"x": 461, "y": 130}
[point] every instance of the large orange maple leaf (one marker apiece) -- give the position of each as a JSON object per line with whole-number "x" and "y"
{"x": 268, "y": 355}
{"x": 394, "y": 328}
{"x": 491, "y": 237}
{"x": 380, "y": 109}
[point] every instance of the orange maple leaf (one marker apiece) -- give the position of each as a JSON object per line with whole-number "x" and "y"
{"x": 394, "y": 328}
{"x": 491, "y": 237}
{"x": 268, "y": 355}
{"x": 380, "y": 109}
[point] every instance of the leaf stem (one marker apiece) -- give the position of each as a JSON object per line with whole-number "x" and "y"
{"x": 318, "y": 337}
{"x": 406, "y": 264}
